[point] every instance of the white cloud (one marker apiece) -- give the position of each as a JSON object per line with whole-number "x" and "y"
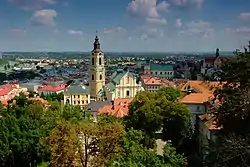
{"x": 147, "y": 32}
{"x": 178, "y": 23}
{"x": 45, "y": 17}
{"x": 245, "y": 16}
{"x": 189, "y": 3}
{"x": 241, "y": 30}
{"x": 200, "y": 28}
{"x": 148, "y": 10}
{"x": 31, "y": 4}
{"x": 157, "y": 20}
{"x": 117, "y": 29}
{"x": 75, "y": 32}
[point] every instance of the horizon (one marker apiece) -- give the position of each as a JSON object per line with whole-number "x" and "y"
{"x": 157, "y": 26}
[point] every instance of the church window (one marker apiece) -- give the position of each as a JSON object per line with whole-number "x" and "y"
{"x": 127, "y": 93}
{"x": 100, "y": 54}
{"x": 100, "y": 76}
{"x": 93, "y": 61}
{"x": 100, "y": 61}
{"x": 93, "y": 77}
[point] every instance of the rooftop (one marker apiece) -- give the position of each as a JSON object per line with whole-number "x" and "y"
{"x": 161, "y": 67}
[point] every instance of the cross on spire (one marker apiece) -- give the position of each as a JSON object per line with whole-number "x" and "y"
{"x": 97, "y": 45}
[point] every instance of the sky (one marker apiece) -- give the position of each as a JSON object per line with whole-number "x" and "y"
{"x": 124, "y": 25}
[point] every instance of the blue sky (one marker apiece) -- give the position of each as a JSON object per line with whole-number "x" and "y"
{"x": 124, "y": 25}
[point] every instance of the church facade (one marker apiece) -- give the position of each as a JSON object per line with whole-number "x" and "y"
{"x": 122, "y": 84}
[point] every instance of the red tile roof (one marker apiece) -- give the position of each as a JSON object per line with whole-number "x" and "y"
{"x": 5, "y": 89}
{"x": 120, "y": 108}
{"x": 51, "y": 88}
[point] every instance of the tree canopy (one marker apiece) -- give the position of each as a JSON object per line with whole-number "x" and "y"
{"x": 232, "y": 145}
{"x": 152, "y": 112}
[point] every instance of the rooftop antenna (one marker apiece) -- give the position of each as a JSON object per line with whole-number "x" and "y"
{"x": 96, "y": 33}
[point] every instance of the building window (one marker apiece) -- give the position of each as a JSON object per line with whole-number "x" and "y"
{"x": 86, "y": 101}
{"x": 119, "y": 94}
{"x": 165, "y": 73}
{"x": 100, "y": 61}
{"x": 127, "y": 93}
{"x": 93, "y": 61}
{"x": 82, "y": 101}
{"x": 93, "y": 78}
{"x": 155, "y": 73}
{"x": 161, "y": 73}
{"x": 100, "y": 76}
{"x": 127, "y": 82}
{"x": 67, "y": 101}
{"x": 151, "y": 72}
{"x": 78, "y": 96}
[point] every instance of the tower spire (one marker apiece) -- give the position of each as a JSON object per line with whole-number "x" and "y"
{"x": 97, "y": 45}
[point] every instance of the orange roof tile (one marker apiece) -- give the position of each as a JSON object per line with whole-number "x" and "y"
{"x": 120, "y": 108}
{"x": 195, "y": 98}
{"x": 52, "y": 88}
{"x": 201, "y": 86}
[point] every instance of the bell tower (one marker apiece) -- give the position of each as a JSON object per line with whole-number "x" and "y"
{"x": 96, "y": 69}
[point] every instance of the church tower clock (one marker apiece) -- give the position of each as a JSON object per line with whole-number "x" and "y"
{"x": 96, "y": 70}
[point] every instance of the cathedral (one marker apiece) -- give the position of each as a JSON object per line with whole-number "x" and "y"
{"x": 122, "y": 84}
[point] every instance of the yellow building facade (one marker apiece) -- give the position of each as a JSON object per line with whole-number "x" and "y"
{"x": 96, "y": 70}
{"x": 123, "y": 84}
{"x": 77, "y": 95}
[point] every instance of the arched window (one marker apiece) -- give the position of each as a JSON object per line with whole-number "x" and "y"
{"x": 93, "y": 61}
{"x": 100, "y": 76}
{"x": 93, "y": 77}
{"x": 100, "y": 61}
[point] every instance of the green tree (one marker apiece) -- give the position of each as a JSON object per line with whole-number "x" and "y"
{"x": 151, "y": 112}
{"x": 232, "y": 145}
{"x": 135, "y": 154}
{"x": 170, "y": 93}
{"x": 145, "y": 115}
{"x": 63, "y": 143}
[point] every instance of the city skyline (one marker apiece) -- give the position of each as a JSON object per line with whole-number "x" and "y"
{"x": 138, "y": 25}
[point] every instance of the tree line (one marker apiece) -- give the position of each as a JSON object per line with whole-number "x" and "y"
{"x": 64, "y": 135}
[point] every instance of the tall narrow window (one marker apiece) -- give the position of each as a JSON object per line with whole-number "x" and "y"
{"x": 127, "y": 82}
{"x": 93, "y": 77}
{"x": 100, "y": 61}
{"x": 127, "y": 93}
{"x": 93, "y": 61}
{"x": 100, "y": 76}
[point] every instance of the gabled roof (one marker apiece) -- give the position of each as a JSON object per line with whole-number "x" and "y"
{"x": 119, "y": 109}
{"x": 161, "y": 67}
{"x": 52, "y": 88}
{"x": 77, "y": 90}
